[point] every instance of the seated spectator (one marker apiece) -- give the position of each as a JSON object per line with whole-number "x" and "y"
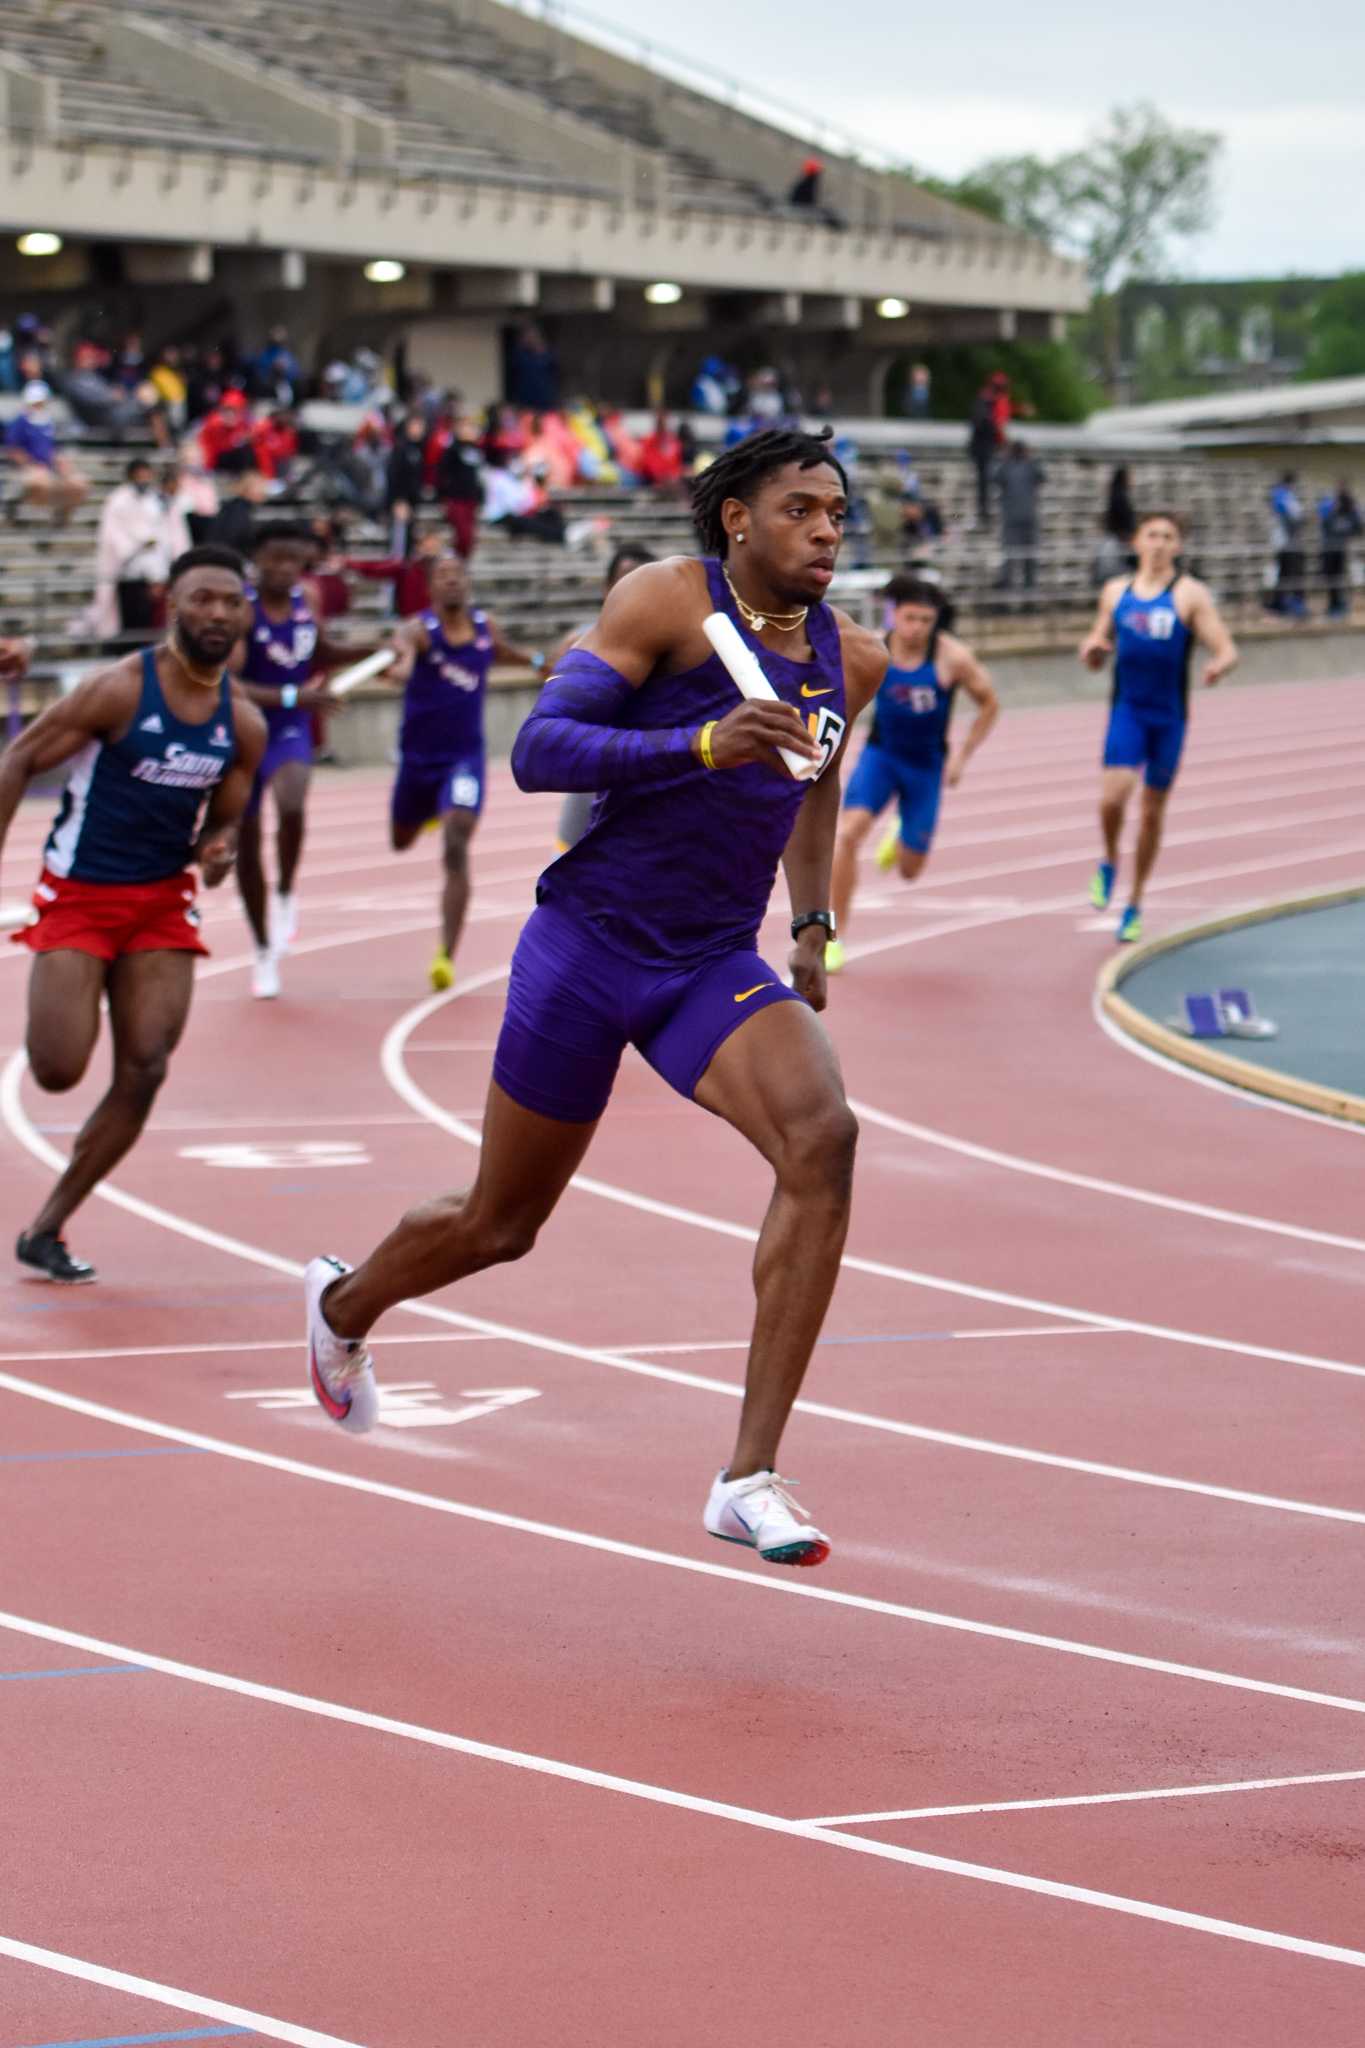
{"x": 503, "y": 434}
{"x": 207, "y": 382}
{"x": 9, "y": 361}
{"x": 553, "y": 447}
{"x": 130, "y": 365}
{"x": 167, "y": 380}
{"x": 661, "y": 456}
{"x": 622, "y": 445}
{"x": 47, "y": 478}
{"x": 227, "y": 428}
{"x": 243, "y": 489}
{"x": 275, "y": 444}
{"x": 595, "y": 465}
{"x": 275, "y": 371}
{"x": 107, "y": 407}
{"x": 520, "y": 505}
{"x": 715, "y": 388}
{"x": 140, "y": 535}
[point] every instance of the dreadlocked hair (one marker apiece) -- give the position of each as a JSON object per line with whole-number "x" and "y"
{"x": 742, "y": 470}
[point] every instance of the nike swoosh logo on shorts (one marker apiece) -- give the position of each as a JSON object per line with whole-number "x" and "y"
{"x": 744, "y": 997}
{"x": 806, "y": 691}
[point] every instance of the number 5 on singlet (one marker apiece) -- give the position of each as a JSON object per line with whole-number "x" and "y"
{"x": 827, "y": 729}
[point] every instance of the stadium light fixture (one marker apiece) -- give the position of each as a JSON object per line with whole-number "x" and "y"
{"x": 386, "y": 271}
{"x": 39, "y": 242}
{"x": 893, "y": 309}
{"x": 662, "y": 294}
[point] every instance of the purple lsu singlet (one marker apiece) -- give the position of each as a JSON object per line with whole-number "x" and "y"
{"x": 280, "y": 652}
{"x": 675, "y": 871}
{"x": 443, "y": 701}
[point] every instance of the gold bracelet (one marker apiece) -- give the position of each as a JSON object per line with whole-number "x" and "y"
{"x": 704, "y": 744}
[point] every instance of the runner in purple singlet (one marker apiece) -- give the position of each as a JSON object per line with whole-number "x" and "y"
{"x": 645, "y": 933}
{"x": 443, "y": 662}
{"x": 280, "y": 663}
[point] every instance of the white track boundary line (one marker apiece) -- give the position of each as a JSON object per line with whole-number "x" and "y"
{"x": 165, "y": 1994}
{"x": 856, "y": 1820}
{"x": 391, "y": 1058}
{"x": 686, "y": 1802}
{"x": 379, "y": 1489}
{"x": 989, "y": 1156}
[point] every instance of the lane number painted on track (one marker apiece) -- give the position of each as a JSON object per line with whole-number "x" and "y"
{"x": 267, "y": 1155}
{"x": 408, "y": 1404}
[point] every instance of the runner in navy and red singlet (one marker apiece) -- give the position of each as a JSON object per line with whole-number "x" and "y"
{"x": 1149, "y": 623}
{"x": 279, "y": 663}
{"x": 906, "y": 756}
{"x": 444, "y": 658}
{"x": 646, "y": 934}
{"x": 162, "y": 751}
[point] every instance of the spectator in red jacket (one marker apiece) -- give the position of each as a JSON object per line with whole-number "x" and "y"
{"x": 661, "y": 456}
{"x": 227, "y": 427}
{"x": 410, "y": 575}
{"x": 275, "y": 442}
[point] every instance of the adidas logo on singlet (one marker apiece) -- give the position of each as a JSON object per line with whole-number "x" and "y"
{"x": 152, "y": 724}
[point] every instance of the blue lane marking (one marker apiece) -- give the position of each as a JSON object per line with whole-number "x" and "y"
{"x": 137, "y": 2040}
{"x": 71, "y": 1671}
{"x": 56, "y": 1457}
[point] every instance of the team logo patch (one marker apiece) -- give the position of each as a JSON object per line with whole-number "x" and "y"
{"x": 827, "y": 729}
{"x": 152, "y": 724}
{"x": 221, "y": 737}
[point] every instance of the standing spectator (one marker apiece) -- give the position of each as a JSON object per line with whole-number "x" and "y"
{"x": 920, "y": 392}
{"x": 1119, "y": 516}
{"x": 407, "y": 470}
{"x": 806, "y": 190}
{"x": 533, "y": 371}
{"x": 9, "y": 361}
{"x": 715, "y": 387}
{"x": 661, "y": 456}
{"x": 1339, "y": 517}
{"x": 410, "y": 573}
{"x": 140, "y": 535}
{"x": 47, "y": 477}
{"x": 130, "y": 366}
{"x": 982, "y": 447}
{"x": 207, "y": 383}
{"x": 1286, "y": 538}
{"x": 460, "y": 489}
{"x": 1002, "y": 405}
{"x": 275, "y": 371}
{"x": 1021, "y": 480}
{"x": 234, "y": 523}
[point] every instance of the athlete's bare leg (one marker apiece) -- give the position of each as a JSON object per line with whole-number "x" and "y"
{"x": 909, "y": 863}
{"x": 290, "y": 784}
{"x": 457, "y": 831}
{"x": 853, "y": 829}
{"x": 777, "y": 1080}
{"x": 525, "y": 1164}
{"x": 149, "y": 1001}
{"x": 251, "y": 876}
{"x": 64, "y": 993}
{"x": 1116, "y": 786}
{"x": 1150, "y": 823}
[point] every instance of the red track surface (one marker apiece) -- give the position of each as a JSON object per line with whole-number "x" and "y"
{"x": 1067, "y": 1441}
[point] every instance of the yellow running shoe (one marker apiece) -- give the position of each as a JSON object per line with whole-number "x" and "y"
{"x": 834, "y": 956}
{"x": 886, "y": 850}
{"x": 442, "y": 971}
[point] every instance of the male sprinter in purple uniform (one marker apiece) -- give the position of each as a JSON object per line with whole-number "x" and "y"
{"x": 1149, "y": 623}
{"x": 162, "y": 751}
{"x": 281, "y": 651}
{"x": 443, "y": 662}
{"x": 645, "y": 933}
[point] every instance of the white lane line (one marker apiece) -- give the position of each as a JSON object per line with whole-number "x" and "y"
{"x": 165, "y": 1994}
{"x": 392, "y": 1061}
{"x": 1242, "y": 1098}
{"x": 863, "y": 1603}
{"x": 921, "y": 1336}
{"x": 858, "y": 1820}
{"x": 225, "y": 1346}
{"x": 989, "y": 1156}
{"x": 686, "y": 1802}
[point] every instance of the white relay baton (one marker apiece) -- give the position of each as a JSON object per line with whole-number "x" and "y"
{"x": 347, "y": 679}
{"x": 747, "y": 675}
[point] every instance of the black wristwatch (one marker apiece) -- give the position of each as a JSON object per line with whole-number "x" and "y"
{"x": 824, "y": 917}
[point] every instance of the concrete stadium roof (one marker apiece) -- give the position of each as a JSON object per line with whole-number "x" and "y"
{"x": 1289, "y": 402}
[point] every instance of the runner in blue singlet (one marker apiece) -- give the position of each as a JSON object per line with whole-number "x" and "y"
{"x": 906, "y": 755}
{"x": 160, "y": 753}
{"x": 646, "y": 933}
{"x": 1149, "y": 623}
{"x": 445, "y": 655}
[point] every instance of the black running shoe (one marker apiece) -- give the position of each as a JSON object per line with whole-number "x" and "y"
{"x": 45, "y": 1253}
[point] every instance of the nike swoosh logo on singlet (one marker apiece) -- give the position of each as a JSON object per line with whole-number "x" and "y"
{"x": 806, "y": 691}
{"x": 752, "y": 991}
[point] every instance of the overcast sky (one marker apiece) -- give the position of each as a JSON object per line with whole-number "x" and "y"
{"x": 946, "y": 85}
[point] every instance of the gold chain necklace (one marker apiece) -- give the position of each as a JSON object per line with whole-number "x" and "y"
{"x": 782, "y": 622}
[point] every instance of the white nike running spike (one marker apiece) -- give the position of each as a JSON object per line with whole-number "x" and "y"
{"x": 284, "y": 922}
{"x": 760, "y": 1512}
{"x": 340, "y": 1370}
{"x": 265, "y": 975}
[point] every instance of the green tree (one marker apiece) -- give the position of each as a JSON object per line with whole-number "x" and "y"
{"x": 1336, "y": 330}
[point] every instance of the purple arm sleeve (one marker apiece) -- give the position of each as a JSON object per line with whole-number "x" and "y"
{"x": 572, "y": 739}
